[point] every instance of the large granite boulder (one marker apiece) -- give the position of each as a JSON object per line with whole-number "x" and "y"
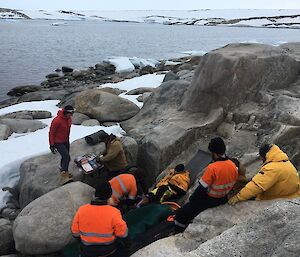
{"x": 30, "y": 115}
{"x": 40, "y": 175}
{"x": 231, "y": 75}
{"x": 104, "y": 106}
{"x": 6, "y": 237}
{"x": 44, "y": 225}
{"x": 23, "y": 126}
{"x": 22, "y": 90}
{"x": 250, "y": 228}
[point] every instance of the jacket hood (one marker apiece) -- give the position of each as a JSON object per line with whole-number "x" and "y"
{"x": 276, "y": 155}
{"x": 60, "y": 113}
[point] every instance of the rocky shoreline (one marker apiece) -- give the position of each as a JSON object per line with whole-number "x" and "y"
{"x": 246, "y": 93}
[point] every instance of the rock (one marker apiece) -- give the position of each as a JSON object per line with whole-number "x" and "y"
{"x": 22, "y": 90}
{"x": 162, "y": 131}
{"x": 109, "y": 124}
{"x": 58, "y": 70}
{"x": 30, "y": 115}
{"x": 239, "y": 69}
{"x": 104, "y": 69}
{"x": 6, "y": 237}
{"x": 231, "y": 231}
{"x": 170, "y": 76}
{"x": 114, "y": 91}
{"x": 185, "y": 66}
{"x": 143, "y": 98}
{"x": 66, "y": 69}
{"x": 131, "y": 75}
{"x": 43, "y": 226}
{"x": 91, "y": 122}
{"x": 39, "y": 175}
{"x": 226, "y": 130}
{"x": 45, "y": 94}
{"x": 147, "y": 70}
{"x": 52, "y": 75}
{"x": 23, "y": 126}
{"x": 104, "y": 106}
{"x": 182, "y": 73}
{"x": 140, "y": 90}
{"x": 5, "y": 132}
{"x": 78, "y": 118}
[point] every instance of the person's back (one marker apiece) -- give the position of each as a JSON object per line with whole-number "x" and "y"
{"x": 278, "y": 176}
{"x": 123, "y": 185}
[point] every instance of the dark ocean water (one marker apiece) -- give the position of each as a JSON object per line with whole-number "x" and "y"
{"x": 29, "y": 50}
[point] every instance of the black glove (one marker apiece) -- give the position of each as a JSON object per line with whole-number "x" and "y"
{"x": 53, "y": 149}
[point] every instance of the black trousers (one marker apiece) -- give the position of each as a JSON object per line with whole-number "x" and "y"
{"x": 113, "y": 250}
{"x": 64, "y": 149}
{"x": 190, "y": 210}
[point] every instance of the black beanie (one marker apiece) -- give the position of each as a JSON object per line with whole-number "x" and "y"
{"x": 69, "y": 109}
{"x": 104, "y": 191}
{"x": 179, "y": 168}
{"x": 264, "y": 149}
{"x": 217, "y": 145}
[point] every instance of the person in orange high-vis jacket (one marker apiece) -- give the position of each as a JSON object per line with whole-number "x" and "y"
{"x": 216, "y": 182}
{"x": 100, "y": 227}
{"x": 124, "y": 186}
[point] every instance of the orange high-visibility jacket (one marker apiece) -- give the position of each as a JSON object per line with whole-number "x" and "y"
{"x": 123, "y": 185}
{"x": 219, "y": 178}
{"x": 98, "y": 224}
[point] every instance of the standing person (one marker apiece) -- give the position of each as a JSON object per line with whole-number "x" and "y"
{"x": 277, "y": 178}
{"x": 218, "y": 179}
{"x": 98, "y": 226}
{"x": 59, "y": 139}
{"x": 114, "y": 159}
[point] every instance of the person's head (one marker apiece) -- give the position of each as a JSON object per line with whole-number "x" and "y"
{"x": 68, "y": 110}
{"x": 103, "y": 192}
{"x": 106, "y": 137}
{"x": 217, "y": 148}
{"x": 263, "y": 150}
{"x": 180, "y": 168}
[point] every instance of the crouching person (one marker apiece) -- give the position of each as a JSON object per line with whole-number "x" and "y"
{"x": 217, "y": 181}
{"x": 100, "y": 227}
{"x": 277, "y": 178}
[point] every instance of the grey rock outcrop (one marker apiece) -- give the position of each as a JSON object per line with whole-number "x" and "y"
{"x": 6, "y": 237}
{"x": 140, "y": 90}
{"x": 5, "y": 132}
{"x": 30, "y": 115}
{"x": 78, "y": 118}
{"x": 90, "y": 122}
{"x": 171, "y": 76}
{"x": 40, "y": 175}
{"x": 23, "y": 126}
{"x": 104, "y": 106}
{"x": 44, "y": 225}
{"x": 22, "y": 90}
{"x": 233, "y": 231}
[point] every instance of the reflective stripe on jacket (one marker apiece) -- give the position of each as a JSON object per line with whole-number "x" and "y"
{"x": 181, "y": 180}
{"x": 219, "y": 178}
{"x": 278, "y": 178}
{"x": 123, "y": 185}
{"x": 98, "y": 225}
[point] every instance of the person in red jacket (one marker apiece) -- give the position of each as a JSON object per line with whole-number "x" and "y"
{"x": 59, "y": 139}
{"x": 100, "y": 227}
{"x": 216, "y": 182}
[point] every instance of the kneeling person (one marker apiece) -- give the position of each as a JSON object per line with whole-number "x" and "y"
{"x": 98, "y": 225}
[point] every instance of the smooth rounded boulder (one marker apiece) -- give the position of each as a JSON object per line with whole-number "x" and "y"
{"x": 104, "y": 106}
{"x": 44, "y": 225}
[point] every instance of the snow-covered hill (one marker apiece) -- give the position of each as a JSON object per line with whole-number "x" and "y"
{"x": 257, "y": 18}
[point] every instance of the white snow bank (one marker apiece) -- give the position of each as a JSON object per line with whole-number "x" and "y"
{"x": 149, "y": 80}
{"x": 20, "y": 147}
{"x": 140, "y": 62}
{"x": 122, "y": 64}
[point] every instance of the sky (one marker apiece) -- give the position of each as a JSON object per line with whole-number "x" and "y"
{"x": 148, "y": 4}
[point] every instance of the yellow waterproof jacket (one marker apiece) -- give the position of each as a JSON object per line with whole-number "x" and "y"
{"x": 278, "y": 178}
{"x": 181, "y": 180}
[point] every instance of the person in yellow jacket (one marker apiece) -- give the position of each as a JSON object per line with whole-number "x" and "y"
{"x": 175, "y": 184}
{"x": 278, "y": 178}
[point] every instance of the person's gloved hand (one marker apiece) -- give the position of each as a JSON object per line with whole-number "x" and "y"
{"x": 53, "y": 149}
{"x": 98, "y": 158}
{"x": 233, "y": 200}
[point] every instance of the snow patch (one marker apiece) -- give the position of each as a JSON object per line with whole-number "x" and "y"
{"x": 122, "y": 64}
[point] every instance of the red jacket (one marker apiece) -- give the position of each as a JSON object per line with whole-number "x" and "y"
{"x": 60, "y": 128}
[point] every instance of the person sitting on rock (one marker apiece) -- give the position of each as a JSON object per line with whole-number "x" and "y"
{"x": 216, "y": 182}
{"x": 59, "y": 139}
{"x": 100, "y": 227}
{"x": 175, "y": 184}
{"x": 277, "y": 178}
{"x": 124, "y": 189}
{"x": 114, "y": 159}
